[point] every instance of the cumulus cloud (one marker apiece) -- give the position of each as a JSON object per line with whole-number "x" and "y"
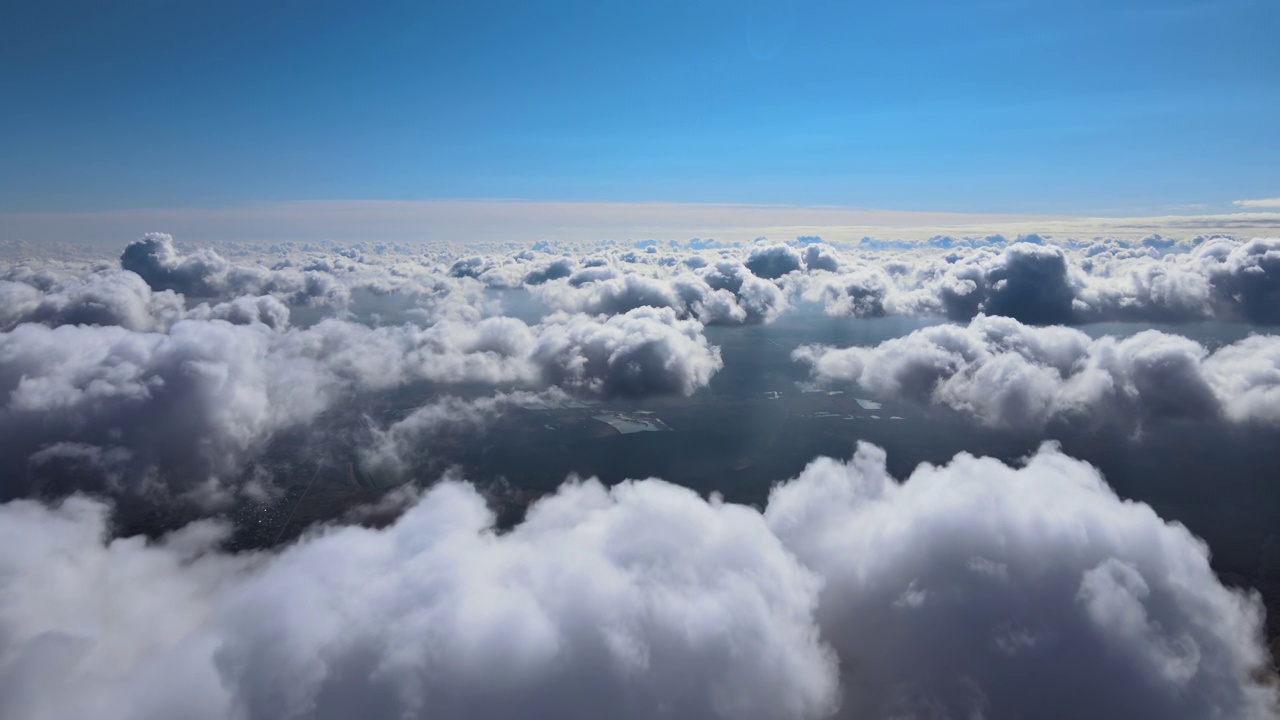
{"x": 146, "y": 408}
{"x": 646, "y": 351}
{"x": 722, "y": 294}
{"x": 155, "y": 259}
{"x": 818, "y": 256}
{"x": 1008, "y": 374}
{"x": 973, "y": 588}
{"x": 112, "y": 409}
{"x": 553, "y": 270}
{"x": 99, "y": 298}
{"x": 638, "y": 601}
{"x": 206, "y": 274}
{"x": 1139, "y": 288}
{"x": 863, "y": 290}
{"x": 759, "y": 299}
{"x": 773, "y": 261}
{"x": 981, "y": 590}
{"x": 1033, "y": 279}
{"x": 1221, "y": 278}
{"x": 468, "y": 267}
{"x": 1026, "y": 282}
{"x": 1218, "y": 278}
{"x": 599, "y": 290}
{"x": 245, "y": 310}
{"x": 1245, "y": 278}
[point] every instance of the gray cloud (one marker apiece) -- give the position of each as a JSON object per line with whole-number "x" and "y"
{"x": 773, "y": 261}
{"x": 1245, "y": 278}
{"x": 818, "y": 256}
{"x": 1026, "y": 282}
{"x": 206, "y": 274}
{"x": 553, "y": 270}
{"x": 760, "y": 300}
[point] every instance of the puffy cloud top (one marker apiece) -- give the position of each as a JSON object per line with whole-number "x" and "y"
{"x": 149, "y": 411}
{"x": 980, "y": 590}
{"x": 100, "y": 298}
{"x": 644, "y": 352}
{"x": 1014, "y": 375}
{"x": 969, "y": 589}
{"x": 773, "y": 261}
{"x": 1026, "y": 282}
{"x": 206, "y": 274}
{"x": 1246, "y": 278}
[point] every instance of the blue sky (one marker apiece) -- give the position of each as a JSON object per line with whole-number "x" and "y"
{"x": 1018, "y": 106}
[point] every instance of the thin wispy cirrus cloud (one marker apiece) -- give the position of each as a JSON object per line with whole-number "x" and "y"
{"x": 1258, "y": 203}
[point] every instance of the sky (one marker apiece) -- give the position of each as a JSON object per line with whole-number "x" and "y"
{"x": 1137, "y": 107}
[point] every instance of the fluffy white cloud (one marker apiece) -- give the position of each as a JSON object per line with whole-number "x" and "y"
{"x": 143, "y": 388}
{"x": 145, "y": 411}
{"x": 99, "y": 298}
{"x": 638, "y": 601}
{"x": 643, "y": 352}
{"x": 1033, "y": 279}
{"x": 724, "y": 294}
{"x": 191, "y": 403}
{"x": 1014, "y": 375}
{"x": 973, "y": 588}
{"x": 981, "y": 590}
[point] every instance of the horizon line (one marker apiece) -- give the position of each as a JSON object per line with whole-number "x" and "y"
{"x": 469, "y": 220}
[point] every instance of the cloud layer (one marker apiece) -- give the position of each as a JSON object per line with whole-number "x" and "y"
{"x": 171, "y": 370}
{"x": 972, "y": 588}
{"x": 152, "y": 412}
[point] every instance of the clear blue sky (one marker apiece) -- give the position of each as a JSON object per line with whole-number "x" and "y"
{"x": 1078, "y": 106}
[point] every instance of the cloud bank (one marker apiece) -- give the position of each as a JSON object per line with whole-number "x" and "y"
{"x": 170, "y": 371}
{"x": 115, "y": 410}
{"x": 1008, "y": 374}
{"x": 970, "y": 589}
